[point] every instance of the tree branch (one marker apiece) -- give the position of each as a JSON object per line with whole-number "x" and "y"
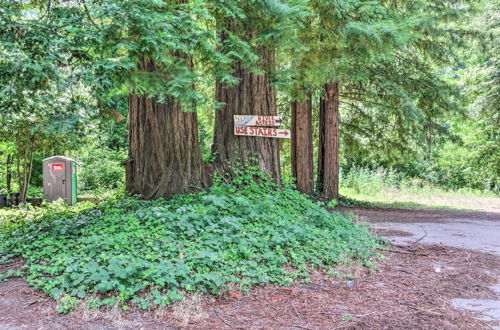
{"x": 88, "y": 13}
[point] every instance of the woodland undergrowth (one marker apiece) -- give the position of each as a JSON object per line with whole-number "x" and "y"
{"x": 242, "y": 232}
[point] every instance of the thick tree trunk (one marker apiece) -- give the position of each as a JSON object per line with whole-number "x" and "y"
{"x": 329, "y": 136}
{"x": 254, "y": 95}
{"x": 164, "y": 151}
{"x": 302, "y": 146}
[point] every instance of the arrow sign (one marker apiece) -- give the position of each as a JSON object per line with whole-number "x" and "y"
{"x": 255, "y": 120}
{"x": 262, "y": 132}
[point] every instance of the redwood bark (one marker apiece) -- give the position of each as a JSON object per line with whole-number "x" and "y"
{"x": 164, "y": 152}
{"x": 302, "y": 146}
{"x": 253, "y": 95}
{"x": 329, "y": 137}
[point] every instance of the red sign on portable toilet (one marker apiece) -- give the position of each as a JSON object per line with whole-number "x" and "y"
{"x": 57, "y": 167}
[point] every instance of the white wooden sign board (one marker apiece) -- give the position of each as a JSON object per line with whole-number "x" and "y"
{"x": 255, "y": 120}
{"x": 262, "y": 131}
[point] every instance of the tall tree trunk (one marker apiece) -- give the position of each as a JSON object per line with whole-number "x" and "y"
{"x": 9, "y": 174}
{"x": 28, "y": 178}
{"x": 164, "y": 152}
{"x": 24, "y": 166}
{"x": 302, "y": 145}
{"x": 20, "y": 174}
{"x": 329, "y": 136}
{"x": 253, "y": 95}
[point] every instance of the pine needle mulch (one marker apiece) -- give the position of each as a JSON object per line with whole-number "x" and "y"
{"x": 406, "y": 292}
{"x": 411, "y": 289}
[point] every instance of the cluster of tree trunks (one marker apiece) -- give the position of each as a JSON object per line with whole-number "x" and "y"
{"x": 164, "y": 152}
{"x": 327, "y": 186}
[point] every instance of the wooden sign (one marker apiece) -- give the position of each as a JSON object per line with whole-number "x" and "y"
{"x": 255, "y": 120}
{"x": 262, "y": 131}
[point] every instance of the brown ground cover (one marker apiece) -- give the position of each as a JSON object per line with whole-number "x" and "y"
{"x": 405, "y": 292}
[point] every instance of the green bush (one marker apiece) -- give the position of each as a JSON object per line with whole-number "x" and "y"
{"x": 365, "y": 181}
{"x": 369, "y": 181}
{"x": 240, "y": 233}
{"x": 99, "y": 169}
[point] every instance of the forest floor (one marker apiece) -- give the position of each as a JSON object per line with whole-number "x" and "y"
{"x": 438, "y": 267}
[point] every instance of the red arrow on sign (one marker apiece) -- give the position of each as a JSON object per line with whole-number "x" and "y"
{"x": 261, "y": 131}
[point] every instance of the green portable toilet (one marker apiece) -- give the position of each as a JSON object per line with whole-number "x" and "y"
{"x": 59, "y": 179}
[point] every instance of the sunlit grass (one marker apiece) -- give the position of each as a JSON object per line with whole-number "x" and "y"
{"x": 427, "y": 198}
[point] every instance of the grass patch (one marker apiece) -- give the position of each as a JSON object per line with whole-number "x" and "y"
{"x": 400, "y": 198}
{"x": 128, "y": 251}
{"x": 384, "y": 188}
{"x": 368, "y": 182}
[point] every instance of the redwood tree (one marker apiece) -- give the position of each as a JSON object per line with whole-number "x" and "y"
{"x": 302, "y": 145}
{"x": 164, "y": 155}
{"x": 329, "y": 137}
{"x": 250, "y": 34}
{"x": 164, "y": 152}
{"x": 362, "y": 31}
{"x": 253, "y": 94}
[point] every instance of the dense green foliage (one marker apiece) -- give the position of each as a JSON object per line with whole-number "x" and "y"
{"x": 99, "y": 169}
{"x": 438, "y": 134}
{"x": 419, "y": 79}
{"x": 364, "y": 181}
{"x": 239, "y": 233}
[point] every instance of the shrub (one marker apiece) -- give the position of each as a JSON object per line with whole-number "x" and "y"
{"x": 100, "y": 169}
{"x": 364, "y": 180}
{"x": 240, "y": 233}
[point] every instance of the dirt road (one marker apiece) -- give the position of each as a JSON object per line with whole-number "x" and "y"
{"x": 470, "y": 230}
{"x": 424, "y": 282}
{"x": 479, "y": 231}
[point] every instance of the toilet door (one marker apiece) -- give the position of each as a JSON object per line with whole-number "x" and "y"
{"x": 57, "y": 181}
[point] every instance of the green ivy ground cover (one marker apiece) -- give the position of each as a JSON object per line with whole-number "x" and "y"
{"x": 149, "y": 253}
